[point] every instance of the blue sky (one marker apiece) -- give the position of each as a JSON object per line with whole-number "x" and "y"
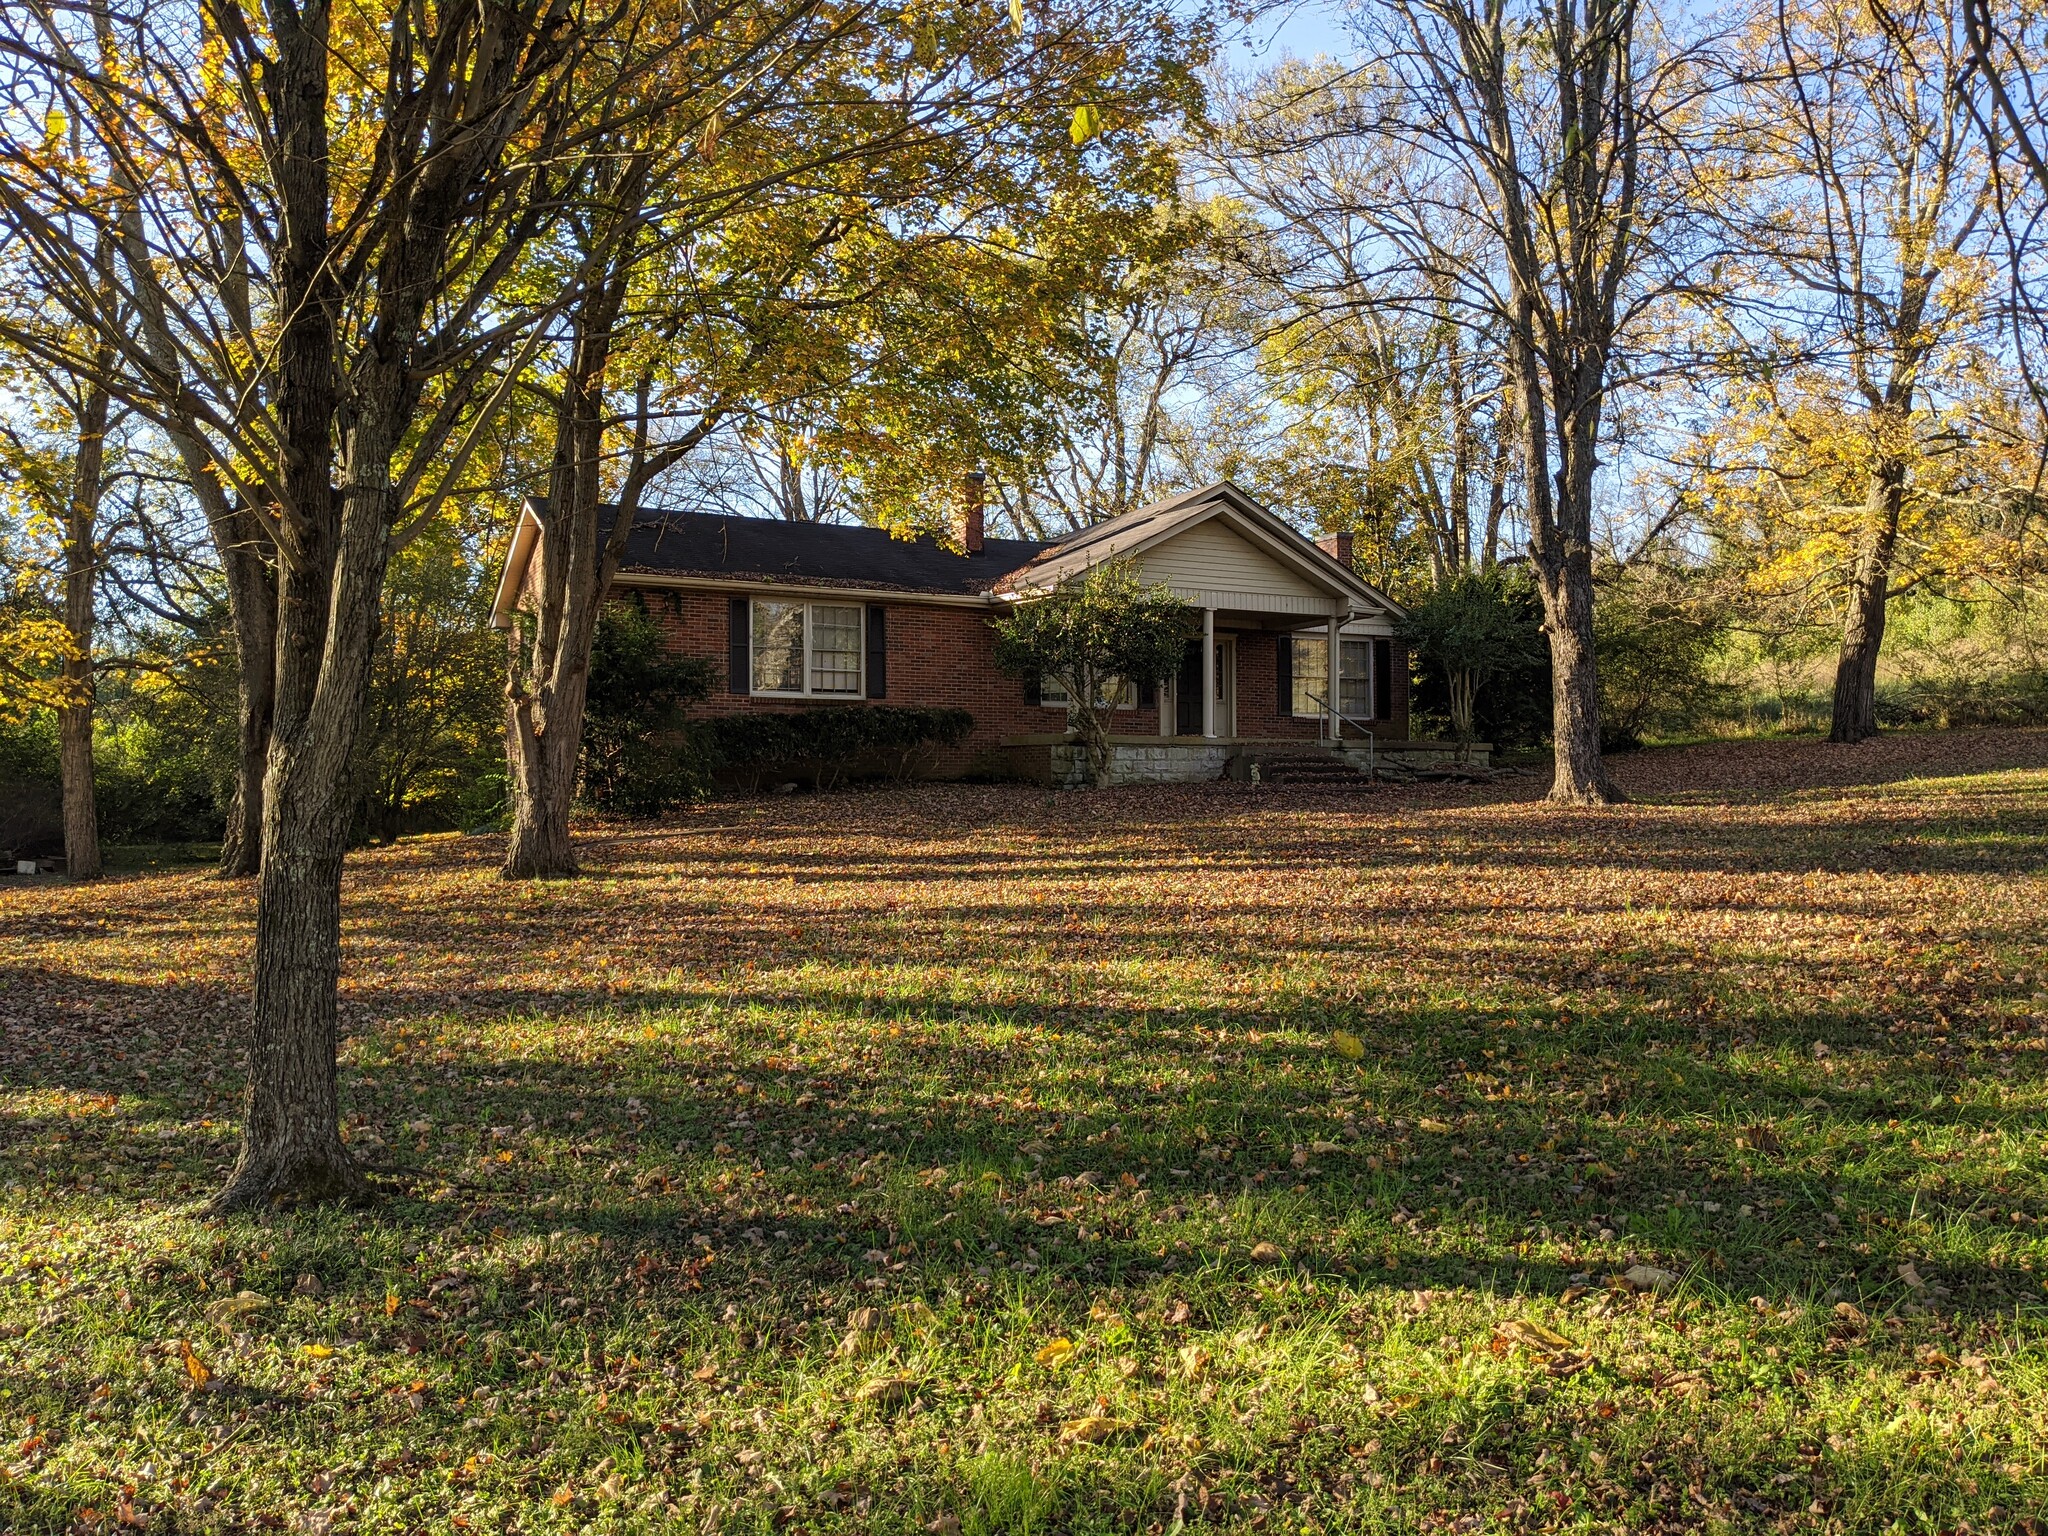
{"x": 1301, "y": 30}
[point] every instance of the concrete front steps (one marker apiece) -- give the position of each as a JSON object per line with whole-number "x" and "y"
{"x": 1307, "y": 766}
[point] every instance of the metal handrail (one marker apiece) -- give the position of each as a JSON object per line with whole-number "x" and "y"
{"x": 1323, "y": 732}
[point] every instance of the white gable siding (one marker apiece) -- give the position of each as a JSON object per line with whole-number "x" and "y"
{"x": 1211, "y": 564}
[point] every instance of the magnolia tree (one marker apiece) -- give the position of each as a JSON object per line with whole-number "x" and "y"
{"x": 1095, "y": 637}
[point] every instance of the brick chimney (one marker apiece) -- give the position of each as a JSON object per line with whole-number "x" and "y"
{"x": 1337, "y": 546}
{"x": 975, "y": 522}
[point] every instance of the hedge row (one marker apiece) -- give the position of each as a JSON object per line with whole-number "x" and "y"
{"x": 827, "y": 745}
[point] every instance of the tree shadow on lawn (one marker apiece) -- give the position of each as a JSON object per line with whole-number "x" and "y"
{"x": 1881, "y": 836}
{"x": 681, "y": 1230}
{"x": 686, "y": 1113}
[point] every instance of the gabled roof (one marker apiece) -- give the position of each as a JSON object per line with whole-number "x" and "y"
{"x": 1129, "y": 536}
{"x": 715, "y": 546}
{"x": 757, "y": 550}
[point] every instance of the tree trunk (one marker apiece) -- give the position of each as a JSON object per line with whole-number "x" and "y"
{"x": 81, "y": 559}
{"x": 328, "y": 617}
{"x": 548, "y": 667}
{"x": 542, "y": 763}
{"x": 1581, "y": 771}
{"x": 241, "y": 848}
{"x": 291, "y": 1141}
{"x": 327, "y": 614}
{"x": 1561, "y": 552}
{"x": 1855, "y": 717}
{"x": 1463, "y": 691}
{"x": 252, "y": 603}
{"x": 1095, "y": 738}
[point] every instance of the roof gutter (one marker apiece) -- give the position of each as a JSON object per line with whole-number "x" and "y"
{"x": 630, "y": 578}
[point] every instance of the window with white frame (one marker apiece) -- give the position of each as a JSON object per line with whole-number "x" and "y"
{"x": 1312, "y": 676}
{"x": 1354, "y": 679}
{"x": 1053, "y": 694}
{"x": 807, "y": 648}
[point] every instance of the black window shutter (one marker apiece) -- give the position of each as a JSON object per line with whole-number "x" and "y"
{"x": 1383, "y": 679}
{"x": 1148, "y": 695}
{"x": 1034, "y": 690}
{"x": 1284, "y": 699}
{"x": 878, "y": 651}
{"x": 739, "y": 646}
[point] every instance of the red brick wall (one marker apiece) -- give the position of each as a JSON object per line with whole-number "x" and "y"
{"x": 939, "y": 658}
{"x": 944, "y": 657}
{"x": 1261, "y": 709}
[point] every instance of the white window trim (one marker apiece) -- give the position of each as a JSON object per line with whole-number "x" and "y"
{"x": 1371, "y": 660}
{"x": 1063, "y": 701}
{"x": 860, "y": 687}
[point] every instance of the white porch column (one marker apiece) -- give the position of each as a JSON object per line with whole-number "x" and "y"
{"x": 1336, "y": 656}
{"x": 1208, "y": 671}
{"x": 1168, "y": 704}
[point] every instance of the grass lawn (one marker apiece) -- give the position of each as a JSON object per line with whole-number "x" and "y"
{"x": 985, "y": 1160}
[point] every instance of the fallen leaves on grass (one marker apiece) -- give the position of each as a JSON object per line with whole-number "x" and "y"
{"x": 793, "y": 1034}
{"x": 232, "y": 1309}
{"x": 1057, "y": 1353}
{"x": 884, "y": 1390}
{"x": 197, "y": 1371}
{"x": 1094, "y": 1429}
{"x": 1648, "y": 1277}
{"x": 1531, "y": 1335}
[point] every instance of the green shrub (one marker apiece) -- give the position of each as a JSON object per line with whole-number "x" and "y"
{"x": 1489, "y": 628}
{"x": 828, "y": 745}
{"x": 1094, "y": 635}
{"x": 151, "y": 785}
{"x": 638, "y": 760}
{"x": 1656, "y": 629}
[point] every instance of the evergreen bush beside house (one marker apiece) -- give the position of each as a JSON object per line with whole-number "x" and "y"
{"x": 642, "y": 754}
{"x": 829, "y": 745}
{"x": 638, "y": 756}
{"x": 1482, "y": 666}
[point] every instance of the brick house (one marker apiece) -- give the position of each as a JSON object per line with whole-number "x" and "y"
{"x": 796, "y": 615}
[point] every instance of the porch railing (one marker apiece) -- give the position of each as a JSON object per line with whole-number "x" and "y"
{"x": 1330, "y": 713}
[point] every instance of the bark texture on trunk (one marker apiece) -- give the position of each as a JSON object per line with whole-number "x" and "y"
{"x": 543, "y": 763}
{"x": 1561, "y": 552}
{"x": 291, "y": 1141}
{"x": 1855, "y": 714}
{"x": 327, "y": 606}
{"x": 1581, "y": 769}
{"x": 327, "y": 634}
{"x": 548, "y": 673}
{"x": 252, "y": 603}
{"x": 81, "y": 563}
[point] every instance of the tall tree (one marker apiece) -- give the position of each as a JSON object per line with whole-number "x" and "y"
{"x": 1869, "y": 210}
{"x": 56, "y": 450}
{"x": 854, "y": 205}
{"x": 1396, "y": 420}
{"x": 325, "y": 205}
{"x": 1536, "y": 178}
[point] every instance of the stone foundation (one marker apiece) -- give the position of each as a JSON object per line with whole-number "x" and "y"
{"x": 1061, "y": 764}
{"x": 1064, "y": 764}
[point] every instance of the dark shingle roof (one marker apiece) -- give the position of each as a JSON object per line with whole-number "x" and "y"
{"x": 812, "y": 554}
